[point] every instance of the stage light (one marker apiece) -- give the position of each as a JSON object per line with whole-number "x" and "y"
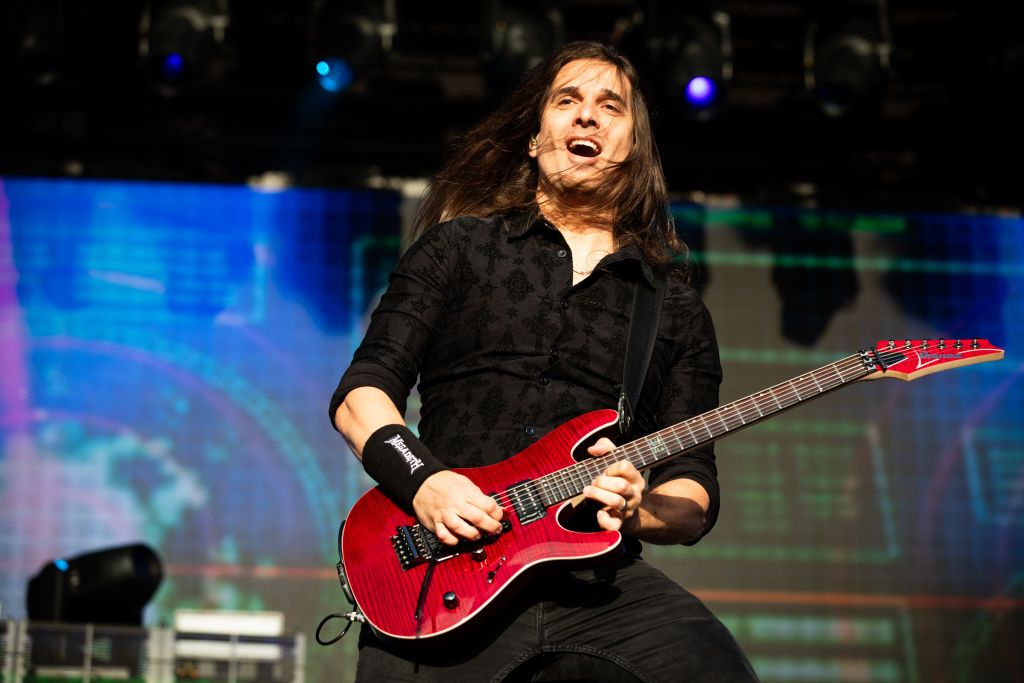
{"x": 349, "y": 43}
{"x": 33, "y": 32}
{"x": 110, "y": 586}
{"x": 180, "y": 41}
{"x": 845, "y": 64}
{"x": 173, "y": 66}
{"x": 701, "y": 91}
{"x": 693, "y": 55}
{"x": 334, "y": 75}
{"x": 519, "y": 40}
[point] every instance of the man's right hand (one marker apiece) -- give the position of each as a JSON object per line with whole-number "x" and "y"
{"x": 455, "y": 508}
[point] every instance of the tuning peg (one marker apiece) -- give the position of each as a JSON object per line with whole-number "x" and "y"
{"x": 924, "y": 343}
{"x": 892, "y": 344}
{"x": 942, "y": 343}
{"x": 907, "y": 344}
{"x": 958, "y": 345}
{"x": 974, "y": 344}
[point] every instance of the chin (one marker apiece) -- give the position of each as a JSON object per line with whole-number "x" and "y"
{"x": 588, "y": 182}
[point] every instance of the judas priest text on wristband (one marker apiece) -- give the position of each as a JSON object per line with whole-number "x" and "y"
{"x": 399, "y": 462}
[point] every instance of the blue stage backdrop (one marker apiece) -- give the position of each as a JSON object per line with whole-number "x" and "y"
{"x": 168, "y": 351}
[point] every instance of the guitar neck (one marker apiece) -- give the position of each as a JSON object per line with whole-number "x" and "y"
{"x": 705, "y": 428}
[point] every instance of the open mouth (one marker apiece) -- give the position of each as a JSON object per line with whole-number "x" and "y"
{"x": 583, "y": 147}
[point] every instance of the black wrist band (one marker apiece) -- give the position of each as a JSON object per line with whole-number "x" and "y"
{"x": 399, "y": 462}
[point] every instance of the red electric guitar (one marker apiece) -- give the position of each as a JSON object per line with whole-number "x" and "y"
{"x": 409, "y": 585}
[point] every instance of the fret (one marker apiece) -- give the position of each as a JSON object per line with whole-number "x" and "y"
{"x": 718, "y": 414}
{"x": 815, "y": 380}
{"x": 679, "y": 442}
{"x": 772, "y": 392}
{"x": 548, "y": 489}
{"x": 738, "y": 413}
{"x": 687, "y": 425}
{"x": 795, "y": 390}
{"x": 581, "y": 473}
{"x": 643, "y": 450}
{"x": 756, "y": 407}
{"x": 546, "y": 496}
{"x": 838, "y": 374}
{"x": 639, "y": 459}
{"x": 646, "y": 452}
{"x": 704, "y": 422}
{"x": 631, "y": 452}
{"x": 658, "y": 448}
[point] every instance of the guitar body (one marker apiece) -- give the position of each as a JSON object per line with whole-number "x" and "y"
{"x": 388, "y": 594}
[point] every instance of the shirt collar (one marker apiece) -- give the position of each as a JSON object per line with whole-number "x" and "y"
{"x": 518, "y": 225}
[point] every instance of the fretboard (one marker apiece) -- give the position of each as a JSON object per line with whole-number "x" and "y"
{"x": 701, "y": 430}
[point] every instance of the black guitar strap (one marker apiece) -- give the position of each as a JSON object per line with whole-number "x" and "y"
{"x": 643, "y": 329}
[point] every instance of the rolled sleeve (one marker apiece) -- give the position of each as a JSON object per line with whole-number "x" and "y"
{"x": 405, "y": 323}
{"x": 690, "y": 388}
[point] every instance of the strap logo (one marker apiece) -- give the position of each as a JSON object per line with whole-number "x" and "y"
{"x": 403, "y": 450}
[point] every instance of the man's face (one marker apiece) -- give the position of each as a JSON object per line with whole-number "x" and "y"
{"x": 586, "y": 125}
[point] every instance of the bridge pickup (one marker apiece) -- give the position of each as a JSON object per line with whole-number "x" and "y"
{"x": 526, "y": 501}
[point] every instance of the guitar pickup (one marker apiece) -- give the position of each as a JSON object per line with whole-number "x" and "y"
{"x": 526, "y": 501}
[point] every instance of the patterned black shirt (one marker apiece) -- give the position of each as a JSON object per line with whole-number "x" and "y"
{"x": 506, "y": 348}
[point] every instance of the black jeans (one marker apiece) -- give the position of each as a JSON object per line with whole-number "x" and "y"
{"x": 624, "y": 622}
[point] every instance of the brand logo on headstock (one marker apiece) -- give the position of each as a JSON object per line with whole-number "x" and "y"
{"x": 940, "y": 356}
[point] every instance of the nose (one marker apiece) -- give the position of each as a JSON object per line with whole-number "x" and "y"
{"x": 585, "y": 115}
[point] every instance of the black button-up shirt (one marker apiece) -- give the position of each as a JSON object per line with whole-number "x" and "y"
{"x": 485, "y": 313}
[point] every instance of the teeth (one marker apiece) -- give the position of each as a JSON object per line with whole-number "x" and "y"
{"x": 583, "y": 147}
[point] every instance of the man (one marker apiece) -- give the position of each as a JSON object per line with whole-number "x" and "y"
{"x": 512, "y": 309}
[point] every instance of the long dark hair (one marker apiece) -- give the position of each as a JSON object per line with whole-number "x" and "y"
{"x": 489, "y": 171}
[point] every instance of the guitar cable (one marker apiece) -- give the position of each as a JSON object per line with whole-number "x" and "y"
{"x": 352, "y": 617}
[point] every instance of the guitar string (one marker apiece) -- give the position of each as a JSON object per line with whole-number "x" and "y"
{"x": 562, "y": 480}
{"x": 584, "y": 472}
{"x": 780, "y": 393}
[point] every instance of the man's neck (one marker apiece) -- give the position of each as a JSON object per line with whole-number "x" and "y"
{"x": 575, "y": 216}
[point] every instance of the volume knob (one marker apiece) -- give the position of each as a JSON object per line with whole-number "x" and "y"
{"x": 451, "y": 600}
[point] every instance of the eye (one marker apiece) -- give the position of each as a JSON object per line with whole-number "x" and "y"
{"x": 611, "y": 106}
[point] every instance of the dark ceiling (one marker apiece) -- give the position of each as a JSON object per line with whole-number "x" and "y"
{"x": 942, "y": 130}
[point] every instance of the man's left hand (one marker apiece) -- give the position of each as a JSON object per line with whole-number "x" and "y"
{"x": 619, "y": 489}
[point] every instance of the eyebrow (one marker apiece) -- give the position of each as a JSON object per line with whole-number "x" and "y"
{"x": 575, "y": 91}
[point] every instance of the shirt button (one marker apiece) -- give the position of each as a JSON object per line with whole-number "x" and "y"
{"x": 544, "y": 380}
{"x": 553, "y": 354}
{"x": 530, "y": 430}
{"x": 562, "y": 253}
{"x": 565, "y": 304}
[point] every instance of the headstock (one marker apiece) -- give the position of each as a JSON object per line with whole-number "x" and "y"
{"x": 909, "y": 359}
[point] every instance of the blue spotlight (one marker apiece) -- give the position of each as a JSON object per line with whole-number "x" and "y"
{"x": 61, "y": 565}
{"x": 701, "y": 91}
{"x": 334, "y": 75}
{"x": 172, "y": 66}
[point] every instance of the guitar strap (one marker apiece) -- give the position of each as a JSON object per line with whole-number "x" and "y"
{"x": 643, "y": 329}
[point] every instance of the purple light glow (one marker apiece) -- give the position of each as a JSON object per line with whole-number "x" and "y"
{"x": 700, "y": 91}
